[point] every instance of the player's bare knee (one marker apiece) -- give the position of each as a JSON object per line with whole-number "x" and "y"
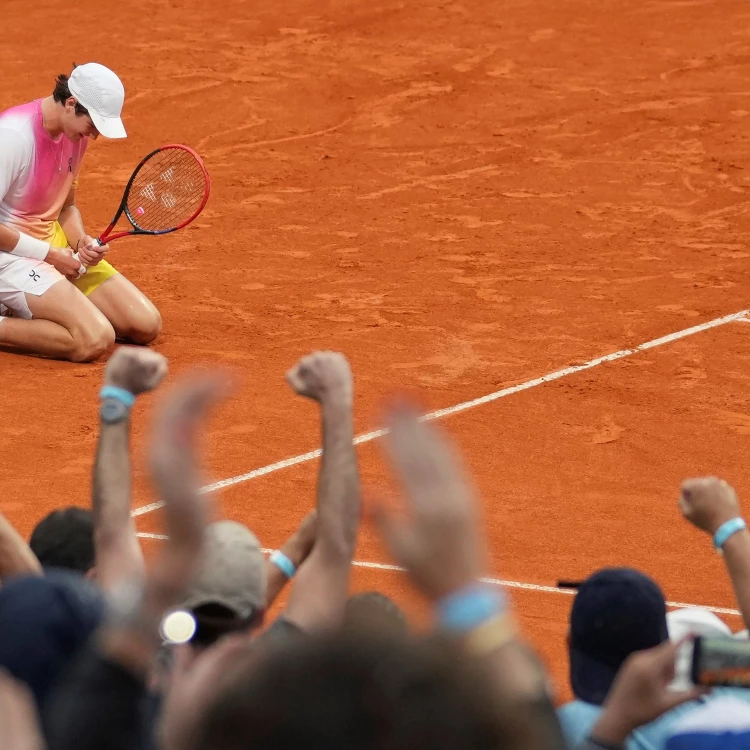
{"x": 146, "y": 329}
{"x": 92, "y": 343}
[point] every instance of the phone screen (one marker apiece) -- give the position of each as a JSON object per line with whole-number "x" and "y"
{"x": 721, "y": 661}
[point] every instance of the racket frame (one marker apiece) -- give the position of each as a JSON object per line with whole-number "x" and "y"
{"x": 106, "y": 235}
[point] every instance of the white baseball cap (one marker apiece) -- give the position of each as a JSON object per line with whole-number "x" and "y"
{"x": 695, "y": 621}
{"x": 99, "y": 90}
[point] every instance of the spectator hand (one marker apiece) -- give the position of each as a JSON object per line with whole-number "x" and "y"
{"x": 640, "y": 694}
{"x": 708, "y": 503}
{"x": 135, "y": 369}
{"x": 439, "y": 539}
{"x": 322, "y": 376}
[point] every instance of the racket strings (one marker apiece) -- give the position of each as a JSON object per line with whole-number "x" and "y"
{"x": 167, "y": 190}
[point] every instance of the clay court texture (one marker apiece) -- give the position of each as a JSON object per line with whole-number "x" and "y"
{"x": 463, "y": 198}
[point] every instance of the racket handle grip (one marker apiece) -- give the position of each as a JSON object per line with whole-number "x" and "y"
{"x": 83, "y": 268}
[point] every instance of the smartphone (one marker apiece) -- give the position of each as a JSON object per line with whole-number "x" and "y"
{"x": 721, "y": 661}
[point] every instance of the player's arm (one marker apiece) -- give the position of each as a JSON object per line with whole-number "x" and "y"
{"x": 319, "y": 594}
{"x": 15, "y": 155}
{"x": 70, "y": 218}
{"x": 130, "y": 370}
{"x": 24, "y": 245}
{"x": 71, "y": 221}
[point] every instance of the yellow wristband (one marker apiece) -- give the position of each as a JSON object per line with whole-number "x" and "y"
{"x": 491, "y": 635}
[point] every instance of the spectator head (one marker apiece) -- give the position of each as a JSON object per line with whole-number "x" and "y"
{"x": 616, "y": 611}
{"x": 44, "y": 623}
{"x": 65, "y": 539}
{"x": 229, "y": 593}
{"x": 374, "y": 612}
{"x": 355, "y": 690}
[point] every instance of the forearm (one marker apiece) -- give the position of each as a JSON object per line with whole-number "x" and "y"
{"x": 118, "y": 554}
{"x": 737, "y": 558}
{"x": 321, "y": 587}
{"x": 8, "y": 238}
{"x": 338, "y": 484}
{"x": 23, "y": 245}
{"x": 297, "y": 551}
{"x": 71, "y": 221}
{"x": 16, "y": 558}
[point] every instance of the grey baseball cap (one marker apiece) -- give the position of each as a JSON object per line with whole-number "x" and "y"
{"x": 233, "y": 573}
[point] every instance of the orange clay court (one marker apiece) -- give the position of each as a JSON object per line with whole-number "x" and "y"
{"x": 462, "y": 197}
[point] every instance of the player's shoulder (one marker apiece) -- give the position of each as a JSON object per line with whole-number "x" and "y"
{"x": 20, "y": 119}
{"x": 17, "y": 126}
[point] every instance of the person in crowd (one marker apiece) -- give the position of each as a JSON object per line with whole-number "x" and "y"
{"x": 439, "y": 542}
{"x": 64, "y": 539}
{"x": 373, "y": 611}
{"x": 613, "y": 632}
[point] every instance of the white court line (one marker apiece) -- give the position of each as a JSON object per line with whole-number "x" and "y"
{"x": 496, "y": 581}
{"x": 368, "y": 436}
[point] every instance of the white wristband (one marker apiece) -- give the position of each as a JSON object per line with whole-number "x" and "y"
{"x": 30, "y": 247}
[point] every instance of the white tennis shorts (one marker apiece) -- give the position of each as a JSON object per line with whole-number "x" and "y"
{"x": 22, "y": 276}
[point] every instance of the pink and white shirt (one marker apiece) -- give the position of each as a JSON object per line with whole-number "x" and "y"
{"x": 36, "y": 172}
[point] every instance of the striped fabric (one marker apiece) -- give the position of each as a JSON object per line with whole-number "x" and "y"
{"x": 723, "y": 724}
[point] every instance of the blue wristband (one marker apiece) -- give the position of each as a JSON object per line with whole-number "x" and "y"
{"x": 120, "y": 394}
{"x": 468, "y": 608}
{"x": 726, "y": 530}
{"x": 283, "y": 563}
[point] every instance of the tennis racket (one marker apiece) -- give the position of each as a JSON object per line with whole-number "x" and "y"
{"x": 166, "y": 191}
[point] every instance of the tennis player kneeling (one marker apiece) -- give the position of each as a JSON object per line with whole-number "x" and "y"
{"x": 48, "y": 305}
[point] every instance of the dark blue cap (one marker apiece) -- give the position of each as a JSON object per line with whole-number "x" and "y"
{"x": 616, "y": 611}
{"x": 44, "y": 624}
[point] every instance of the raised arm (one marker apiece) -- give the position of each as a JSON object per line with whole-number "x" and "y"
{"x": 101, "y": 705}
{"x": 711, "y": 505}
{"x": 440, "y": 542}
{"x": 319, "y": 593}
{"x": 294, "y": 552}
{"x": 129, "y": 372}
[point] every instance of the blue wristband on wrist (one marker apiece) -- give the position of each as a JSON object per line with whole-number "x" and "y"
{"x": 726, "y": 530}
{"x": 283, "y": 563}
{"x": 119, "y": 394}
{"x": 468, "y": 608}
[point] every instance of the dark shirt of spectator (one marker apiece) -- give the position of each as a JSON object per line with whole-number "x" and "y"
{"x": 44, "y": 624}
{"x": 65, "y": 539}
{"x": 616, "y": 611}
